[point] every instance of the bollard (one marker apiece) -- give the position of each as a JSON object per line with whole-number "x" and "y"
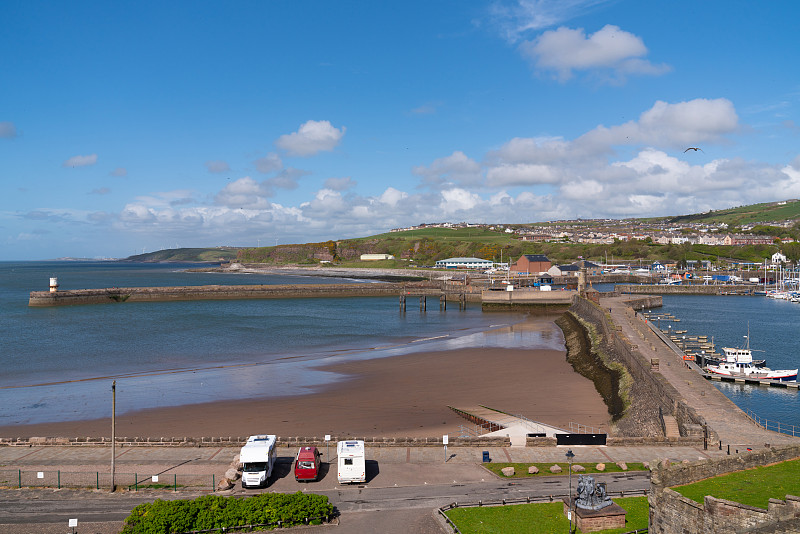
{"x": 729, "y": 450}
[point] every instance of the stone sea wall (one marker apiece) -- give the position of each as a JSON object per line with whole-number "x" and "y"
{"x": 212, "y": 292}
{"x": 648, "y": 393}
{"x": 672, "y": 513}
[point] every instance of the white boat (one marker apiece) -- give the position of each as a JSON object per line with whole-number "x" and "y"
{"x": 738, "y": 363}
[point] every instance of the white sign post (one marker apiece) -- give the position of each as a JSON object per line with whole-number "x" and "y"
{"x": 73, "y": 524}
{"x": 445, "y": 439}
{"x": 327, "y": 451}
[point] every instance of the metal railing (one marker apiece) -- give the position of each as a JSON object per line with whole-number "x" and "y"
{"x": 775, "y": 426}
{"x": 578, "y": 428}
{"x": 18, "y": 478}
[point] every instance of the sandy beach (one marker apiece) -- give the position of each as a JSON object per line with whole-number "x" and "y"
{"x": 398, "y": 396}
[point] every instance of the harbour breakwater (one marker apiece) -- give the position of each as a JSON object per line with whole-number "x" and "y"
{"x": 641, "y": 402}
{"x": 221, "y": 292}
{"x": 693, "y": 289}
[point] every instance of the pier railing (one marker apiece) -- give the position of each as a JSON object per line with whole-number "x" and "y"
{"x": 775, "y": 426}
{"x": 26, "y": 478}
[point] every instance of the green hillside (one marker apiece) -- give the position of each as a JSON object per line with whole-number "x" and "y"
{"x": 770, "y": 211}
{"x": 187, "y": 255}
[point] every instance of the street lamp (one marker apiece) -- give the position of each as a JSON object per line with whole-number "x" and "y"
{"x": 570, "y": 456}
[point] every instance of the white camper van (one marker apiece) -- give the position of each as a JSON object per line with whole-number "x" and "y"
{"x": 352, "y": 466}
{"x": 257, "y": 458}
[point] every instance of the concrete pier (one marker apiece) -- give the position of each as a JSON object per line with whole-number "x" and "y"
{"x": 213, "y": 292}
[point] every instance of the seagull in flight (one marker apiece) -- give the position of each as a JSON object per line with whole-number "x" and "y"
{"x": 695, "y": 148}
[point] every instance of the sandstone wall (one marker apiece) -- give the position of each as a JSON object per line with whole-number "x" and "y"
{"x": 672, "y": 513}
{"x": 648, "y": 391}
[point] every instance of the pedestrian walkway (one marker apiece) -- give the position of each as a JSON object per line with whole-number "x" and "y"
{"x": 729, "y": 422}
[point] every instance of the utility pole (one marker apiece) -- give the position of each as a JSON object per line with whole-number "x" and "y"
{"x": 113, "y": 432}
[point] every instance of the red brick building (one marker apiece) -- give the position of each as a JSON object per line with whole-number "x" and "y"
{"x": 531, "y": 264}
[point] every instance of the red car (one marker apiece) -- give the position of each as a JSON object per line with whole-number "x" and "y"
{"x": 306, "y": 464}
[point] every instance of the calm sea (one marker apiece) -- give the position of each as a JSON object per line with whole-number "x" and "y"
{"x": 58, "y": 363}
{"x": 774, "y": 330}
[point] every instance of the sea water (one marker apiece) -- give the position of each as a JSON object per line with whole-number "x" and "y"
{"x": 58, "y": 363}
{"x": 774, "y": 329}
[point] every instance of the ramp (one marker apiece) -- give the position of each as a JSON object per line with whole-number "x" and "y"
{"x": 501, "y": 424}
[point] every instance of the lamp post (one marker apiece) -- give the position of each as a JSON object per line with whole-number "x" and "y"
{"x": 570, "y": 456}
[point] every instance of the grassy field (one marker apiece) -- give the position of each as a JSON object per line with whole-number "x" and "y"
{"x": 753, "y": 487}
{"x": 473, "y": 235}
{"x": 538, "y": 518}
{"x": 521, "y": 470}
{"x": 770, "y": 211}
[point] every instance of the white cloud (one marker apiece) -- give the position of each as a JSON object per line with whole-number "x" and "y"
{"x": 522, "y": 16}
{"x": 312, "y": 137}
{"x": 455, "y": 200}
{"x": 80, "y": 161}
{"x": 120, "y": 172}
{"x": 522, "y": 174}
{"x": 673, "y": 125}
{"x": 391, "y": 197}
{"x": 217, "y": 166}
{"x": 566, "y": 50}
{"x": 269, "y": 163}
{"x": 425, "y": 109}
{"x": 244, "y": 193}
{"x": 340, "y": 184}
{"x": 8, "y": 130}
{"x": 456, "y": 168}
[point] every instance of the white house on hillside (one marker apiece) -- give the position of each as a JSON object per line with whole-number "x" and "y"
{"x": 778, "y": 257}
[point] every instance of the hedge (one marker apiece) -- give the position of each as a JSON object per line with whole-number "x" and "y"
{"x": 214, "y": 512}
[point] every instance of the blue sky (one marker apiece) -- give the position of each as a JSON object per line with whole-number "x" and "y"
{"x": 135, "y": 126}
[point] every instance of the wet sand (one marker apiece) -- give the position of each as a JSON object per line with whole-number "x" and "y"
{"x": 399, "y": 396}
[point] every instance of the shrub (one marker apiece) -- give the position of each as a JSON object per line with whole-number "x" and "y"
{"x": 214, "y": 511}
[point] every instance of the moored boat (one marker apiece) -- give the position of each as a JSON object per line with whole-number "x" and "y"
{"x": 738, "y": 363}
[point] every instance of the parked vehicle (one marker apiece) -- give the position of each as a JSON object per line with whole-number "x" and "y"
{"x": 258, "y": 458}
{"x": 306, "y": 464}
{"x": 351, "y": 462}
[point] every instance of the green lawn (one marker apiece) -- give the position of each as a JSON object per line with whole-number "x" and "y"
{"x": 753, "y": 487}
{"x": 538, "y": 518}
{"x": 521, "y": 470}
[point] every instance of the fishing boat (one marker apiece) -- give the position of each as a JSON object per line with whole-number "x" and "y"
{"x": 738, "y": 363}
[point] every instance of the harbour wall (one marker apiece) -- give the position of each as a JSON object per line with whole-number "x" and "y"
{"x": 648, "y": 395}
{"x": 699, "y": 289}
{"x": 534, "y": 301}
{"x": 220, "y": 292}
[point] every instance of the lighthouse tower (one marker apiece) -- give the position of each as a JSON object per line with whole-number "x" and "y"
{"x": 53, "y": 284}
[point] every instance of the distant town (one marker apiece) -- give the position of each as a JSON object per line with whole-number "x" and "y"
{"x": 607, "y": 231}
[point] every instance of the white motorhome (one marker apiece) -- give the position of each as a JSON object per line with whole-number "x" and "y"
{"x": 257, "y": 458}
{"x": 352, "y": 465}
